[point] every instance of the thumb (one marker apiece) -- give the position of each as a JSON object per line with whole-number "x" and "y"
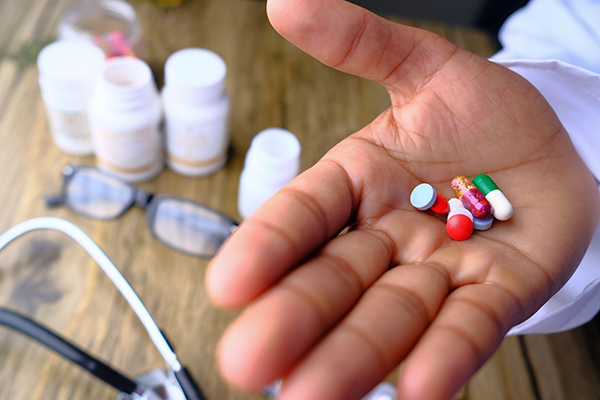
{"x": 351, "y": 39}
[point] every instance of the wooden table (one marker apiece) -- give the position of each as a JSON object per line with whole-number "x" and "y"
{"x": 46, "y": 275}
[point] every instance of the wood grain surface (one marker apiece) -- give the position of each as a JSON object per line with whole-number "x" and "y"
{"x": 271, "y": 83}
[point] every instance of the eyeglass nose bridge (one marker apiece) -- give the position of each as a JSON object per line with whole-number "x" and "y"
{"x": 142, "y": 198}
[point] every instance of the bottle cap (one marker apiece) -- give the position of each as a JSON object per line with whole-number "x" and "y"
{"x": 272, "y": 161}
{"x": 274, "y": 156}
{"x": 195, "y": 76}
{"x": 68, "y": 70}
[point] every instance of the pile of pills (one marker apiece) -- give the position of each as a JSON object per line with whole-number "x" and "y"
{"x": 477, "y": 204}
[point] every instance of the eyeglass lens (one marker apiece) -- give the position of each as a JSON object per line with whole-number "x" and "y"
{"x": 181, "y": 224}
{"x": 98, "y": 195}
{"x": 189, "y": 227}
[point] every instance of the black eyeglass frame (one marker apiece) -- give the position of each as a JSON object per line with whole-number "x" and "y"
{"x": 139, "y": 197}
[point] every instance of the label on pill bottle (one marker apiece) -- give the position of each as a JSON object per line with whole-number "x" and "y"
{"x": 194, "y": 148}
{"x": 70, "y": 131}
{"x": 135, "y": 155}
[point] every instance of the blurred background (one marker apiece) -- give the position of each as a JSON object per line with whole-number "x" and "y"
{"x": 487, "y": 15}
{"x": 483, "y": 14}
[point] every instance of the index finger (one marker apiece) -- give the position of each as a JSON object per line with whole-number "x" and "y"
{"x": 297, "y": 220}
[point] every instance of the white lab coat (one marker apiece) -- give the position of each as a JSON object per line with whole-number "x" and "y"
{"x": 555, "y": 44}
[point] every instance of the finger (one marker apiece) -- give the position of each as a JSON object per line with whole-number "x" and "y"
{"x": 272, "y": 334}
{"x": 469, "y": 328}
{"x": 373, "y": 338}
{"x": 354, "y": 40}
{"x": 310, "y": 210}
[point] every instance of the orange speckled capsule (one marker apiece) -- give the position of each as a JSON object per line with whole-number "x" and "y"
{"x": 471, "y": 197}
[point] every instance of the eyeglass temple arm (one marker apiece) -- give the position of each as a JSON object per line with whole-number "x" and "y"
{"x": 186, "y": 381}
{"x": 59, "y": 199}
{"x": 108, "y": 267}
{"x": 54, "y": 201}
{"x": 191, "y": 390}
{"x": 35, "y": 331}
{"x": 188, "y": 385}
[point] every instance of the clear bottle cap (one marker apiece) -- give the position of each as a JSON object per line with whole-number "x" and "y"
{"x": 195, "y": 76}
{"x": 111, "y": 24}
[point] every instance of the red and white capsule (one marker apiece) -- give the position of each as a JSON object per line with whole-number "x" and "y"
{"x": 460, "y": 221}
{"x": 425, "y": 197}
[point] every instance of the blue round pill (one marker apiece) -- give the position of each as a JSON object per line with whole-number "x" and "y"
{"x": 483, "y": 224}
{"x": 423, "y": 196}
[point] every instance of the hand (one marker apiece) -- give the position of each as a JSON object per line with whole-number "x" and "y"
{"x": 334, "y": 314}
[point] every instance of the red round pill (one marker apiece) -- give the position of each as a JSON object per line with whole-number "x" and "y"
{"x": 459, "y": 227}
{"x": 441, "y": 205}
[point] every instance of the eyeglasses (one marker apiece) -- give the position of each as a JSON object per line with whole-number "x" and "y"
{"x": 68, "y": 350}
{"x": 181, "y": 224}
{"x": 174, "y": 383}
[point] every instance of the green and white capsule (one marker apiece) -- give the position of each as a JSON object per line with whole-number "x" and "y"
{"x": 503, "y": 210}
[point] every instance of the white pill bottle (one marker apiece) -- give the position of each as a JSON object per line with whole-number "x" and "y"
{"x": 272, "y": 160}
{"x": 125, "y": 118}
{"x": 68, "y": 70}
{"x": 196, "y": 112}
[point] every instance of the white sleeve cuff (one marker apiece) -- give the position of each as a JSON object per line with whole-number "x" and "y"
{"x": 574, "y": 94}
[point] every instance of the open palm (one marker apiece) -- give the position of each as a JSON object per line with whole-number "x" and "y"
{"x": 334, "y": 314}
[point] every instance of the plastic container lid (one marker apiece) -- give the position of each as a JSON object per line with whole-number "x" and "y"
{"x": 195, "y": 76}
{"x": 274, "y": 156}
{"x": 68, "y": 70}
{"x": 272, "y": 161}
